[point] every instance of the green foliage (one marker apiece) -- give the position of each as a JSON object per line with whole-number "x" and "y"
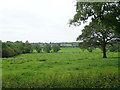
{"x": 47, "y": 48}
{"x": 38, "y": 48}
{"x": 105, "y": 19}
{"x": 114, "y": 47}
{"x": 10, "y": 49}
{"x": 96, "y": 35}
{"x": 85, "y": 45}
{"x": 55, "y": 48}
{"x": 27, "y": 47}
{"x": 61, "y": 70}
{"x": 105, "y": 13}
{"x": 7, "y": 51}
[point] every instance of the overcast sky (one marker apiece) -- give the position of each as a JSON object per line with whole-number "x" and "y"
{"x": 38, "y": 20}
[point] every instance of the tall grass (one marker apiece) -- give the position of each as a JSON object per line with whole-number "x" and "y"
{"x": 61, "y": 70}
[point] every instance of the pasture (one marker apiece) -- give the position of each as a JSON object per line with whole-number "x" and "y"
{"x": 69, "y": 68}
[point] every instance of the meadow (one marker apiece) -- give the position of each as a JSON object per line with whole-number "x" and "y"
{"x": 69, "y": 68}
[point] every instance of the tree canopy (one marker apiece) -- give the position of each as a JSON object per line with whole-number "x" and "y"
{"x": 95, "y": 35}
{"x": 47, "y": 48}
{"x": 10, "y": 49}
{"x": 55, "y": 47}
{"x": 38, "y": 48}
{"x": 104, "y": 26}
{"x": 105, "y": 13}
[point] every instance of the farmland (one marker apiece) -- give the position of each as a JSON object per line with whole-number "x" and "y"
{"x": 69, "y": 68}
{"x": 65, "y": 44}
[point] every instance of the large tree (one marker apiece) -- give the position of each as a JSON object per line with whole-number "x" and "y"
{"x": 106, "y": 13}
{"x": 97, "y": 35}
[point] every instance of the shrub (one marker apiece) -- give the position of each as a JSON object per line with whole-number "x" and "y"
{"x": 114, "y": 48}
{"x": 47, "y": 48}
{"x": 38, "y": 48}
{"x": 55, "y": 48}
{"x": 27, "y": 47}
{"x": 10, "y": 49}
{"x": 7, "y": 51}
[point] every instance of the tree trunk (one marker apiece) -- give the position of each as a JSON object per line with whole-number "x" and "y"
{"x": 104, "y": 50}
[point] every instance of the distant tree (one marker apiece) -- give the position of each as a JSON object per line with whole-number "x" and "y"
{"x": 38, "y": 48}
{"x": 85, "y": 45}
{"x": 20, "y": 46}
{"x": 56, "y": 47}
{"x": 97, "y": 35}
{"x": 7, "y": 51}
{"x": 47, "y": 48}
{"x": 114, "y": 47}
{"x": 27, "y": 47}
{"x": 10, "y": 49}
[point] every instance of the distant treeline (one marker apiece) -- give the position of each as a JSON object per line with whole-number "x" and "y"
{"x": 62, "y": 44}
{"x": 10, "y": 49}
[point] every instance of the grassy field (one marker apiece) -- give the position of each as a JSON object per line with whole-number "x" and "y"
{"x": 76, "y": 50}
{"x": 61, "y": 70}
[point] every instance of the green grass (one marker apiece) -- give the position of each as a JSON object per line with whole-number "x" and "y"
{"x": 76, "y": 50}
{"x": 61, "y": 70}
{"x": 70, "y": 50}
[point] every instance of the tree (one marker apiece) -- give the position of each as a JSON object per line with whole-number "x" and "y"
{"x": 97, "y": 35}
{"x": 105, "y": 13}
{"x": 10, "y": 49}
{"x": 85, "y": 45}
{"x": 27, "y": 47}
{"x": 7, "y": 51}
{"x": 38, "y": 48}
{"x": 20, "y": 46}
{"x": 114, "y": 47}
{"x": 55, "y": 47}
{"x": 47, "y": 48}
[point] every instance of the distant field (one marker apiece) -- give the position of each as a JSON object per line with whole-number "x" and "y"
{"x": 76, "y": 50}
{"x": 67, "y": 50}
{"x": 70, "y": 50}
{"x": 61, "y": 70}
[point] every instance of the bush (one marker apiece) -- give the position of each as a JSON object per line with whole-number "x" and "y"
{"x": 87, "y": 46}
{"x": 114, "y": 48}
{"x": 10, "y": 49}
{"x": 7, "y": 51}
{"x": 55, "y": 48}
{"x": 47, "y": 48}
{"x": 27, "y": 47}
{"x": 38, "y": 48}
